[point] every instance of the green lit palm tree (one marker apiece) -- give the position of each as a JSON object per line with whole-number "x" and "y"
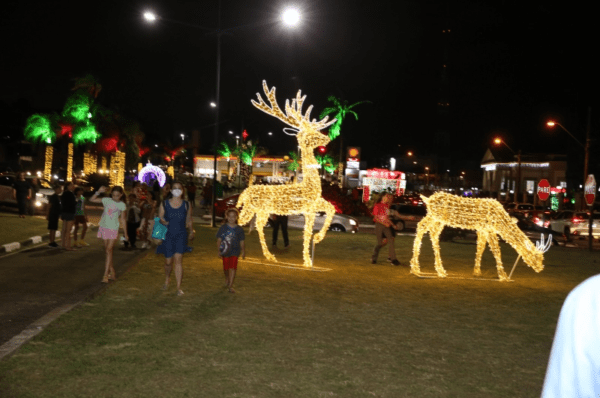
{"x": 340, "y": 110}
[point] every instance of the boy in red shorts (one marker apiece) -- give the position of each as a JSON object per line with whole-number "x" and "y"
{"x": 230, "y": 243}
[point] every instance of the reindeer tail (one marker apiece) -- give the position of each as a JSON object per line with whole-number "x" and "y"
{"x": 425, "y": 199}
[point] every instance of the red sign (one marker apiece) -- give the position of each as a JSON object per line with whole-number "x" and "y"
{"x": 543, "y": 190}
{"x": 590, "y": 190}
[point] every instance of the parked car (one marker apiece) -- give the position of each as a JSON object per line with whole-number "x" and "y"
{"x": 564, "y": 221}
{"x": 41, "y": 200}
{"x": 583, "y": 228}
{"x": 407, "y": 216}
{"x": 340, "y": 222}
{"x": 516, "y": 208}
{"x": 223, "y": 204}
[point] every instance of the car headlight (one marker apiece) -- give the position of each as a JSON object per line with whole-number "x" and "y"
{"x": 39, "y": 195}
{"x": 352, "y": 222}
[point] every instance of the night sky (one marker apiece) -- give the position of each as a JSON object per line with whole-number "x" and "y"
{"x": 509, "y": 66}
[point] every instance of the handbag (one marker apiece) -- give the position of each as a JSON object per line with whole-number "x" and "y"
{"x": 159, "y": 231}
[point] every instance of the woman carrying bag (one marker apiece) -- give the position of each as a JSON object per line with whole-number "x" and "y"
{"x": 176, "y": 215}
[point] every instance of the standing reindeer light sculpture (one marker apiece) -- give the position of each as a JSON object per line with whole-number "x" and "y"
{"x": 488, "y": 218}
{"x": 298, "y": 198}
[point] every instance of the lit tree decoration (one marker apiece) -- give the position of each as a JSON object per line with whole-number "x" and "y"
{"x": 300, "y": 198}
{"x": 117, "y": 168}
{"x": 151, "y": 169}
{"x": 488, "y": 218}
{"x": 103, "y": 167}
{"x": 85, "y": 133}
{"x": 70, "y": 162}
{"x": 38, "y": 128}
{"x": 340, "y": 109}
{"x": 171, "y": 171}
{"x": 327, "y": 163}
{"x": 294, "y": 162}
{"x": 48, "y": 162}
{"x": 90, "y": 162}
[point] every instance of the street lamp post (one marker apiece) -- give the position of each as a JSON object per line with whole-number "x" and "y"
{"x": 585, "y": 147}
{"x": 290, "y": 17}
{"x": 499, "y": 141}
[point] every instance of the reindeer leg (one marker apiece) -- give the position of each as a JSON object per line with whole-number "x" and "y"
{"x": 261, "y": 221}
{"x": 493, "y": 242}
{"x": 482, "y": 238}
{"x": 308, "y": 232}
{"x": 330, "y": 211}
{"x": 422, "y": 229}
{"x": 436, "y": 231}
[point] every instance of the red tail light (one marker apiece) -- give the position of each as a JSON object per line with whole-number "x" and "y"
{"x": 576, "y": 220}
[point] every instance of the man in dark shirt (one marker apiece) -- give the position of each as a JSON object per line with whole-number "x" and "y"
{"x": 21, "y": 193}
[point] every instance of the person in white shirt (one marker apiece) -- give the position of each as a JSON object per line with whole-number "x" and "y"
{"x": 574, "y": 365}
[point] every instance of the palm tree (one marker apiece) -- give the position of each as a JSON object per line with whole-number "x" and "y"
{"x": 340, "y": 109}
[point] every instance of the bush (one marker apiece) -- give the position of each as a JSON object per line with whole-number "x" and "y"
{"x": 343, "y": 203}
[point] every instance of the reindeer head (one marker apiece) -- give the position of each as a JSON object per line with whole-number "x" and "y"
{"x": 534, "y": 256}
{"x": 307, "y": 132}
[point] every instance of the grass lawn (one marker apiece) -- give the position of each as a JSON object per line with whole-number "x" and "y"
{"x": 15, "y": 229}
{"x": 357, "y": 330}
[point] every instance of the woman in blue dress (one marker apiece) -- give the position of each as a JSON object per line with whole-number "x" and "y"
{"x": 176, "y": 214}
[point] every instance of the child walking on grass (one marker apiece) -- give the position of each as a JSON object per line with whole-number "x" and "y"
{"x": 108, "y": 228}
{"x": 230, "y": 243}
{"x": 80, "y": 218}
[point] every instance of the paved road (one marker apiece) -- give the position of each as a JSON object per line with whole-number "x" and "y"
{"x": 37, "y": 280}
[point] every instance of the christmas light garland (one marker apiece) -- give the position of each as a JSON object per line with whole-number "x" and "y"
{"x": 299, "y": 198}
{"x": 488, "y": 218}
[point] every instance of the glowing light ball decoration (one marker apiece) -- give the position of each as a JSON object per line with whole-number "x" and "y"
{"x": 117, "y": 168}
{"x": 300, "y": 198}
{"x": 488, "y": 218}
{"x": 70, "y": 162}
{"x": 149, "y": 170}
{"x": 48, "y": 162}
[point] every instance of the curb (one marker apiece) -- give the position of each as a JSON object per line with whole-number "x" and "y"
{"x": 34, "y": 240}
{"x": 11, "y": 346}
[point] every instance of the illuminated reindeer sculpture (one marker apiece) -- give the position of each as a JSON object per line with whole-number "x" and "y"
{"x": 299, "y": 198}
{"x": 488, "y": 218}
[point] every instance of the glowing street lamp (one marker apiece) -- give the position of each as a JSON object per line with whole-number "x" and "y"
{"x": 499, "y": 141}
{"x": 586, "y": 147}
{"x": 290, "y": 17}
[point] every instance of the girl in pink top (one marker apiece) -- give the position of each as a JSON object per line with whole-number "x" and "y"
{"x": 112, "y": 217}
{"x": 383, "y": 229}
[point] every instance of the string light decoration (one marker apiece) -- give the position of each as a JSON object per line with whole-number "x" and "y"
{"x": 90, "y": 162}
{"x": 103, "y": 167}
{"x": 488, "y": 218}
{"x": 117, "y": 168}
{"x": 299, "y": 198}
{"x": 48, "y": 162}
{"x": 155, "y": 170}
{"x": 70, "y": 162}
{"x": 38, "y": 128}
{"x": 171, "y": 171}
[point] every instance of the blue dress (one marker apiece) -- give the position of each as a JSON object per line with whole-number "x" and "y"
{"x": 177, "y": 236}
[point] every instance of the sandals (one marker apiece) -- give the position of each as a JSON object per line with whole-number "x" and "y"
{"x": 105, "y": 279}
{"x": 180, "y": 292}
{"x": 231, "y": 290}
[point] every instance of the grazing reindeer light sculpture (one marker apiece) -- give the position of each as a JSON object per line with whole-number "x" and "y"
{"x": 298, "y": 198}
{"x": 488, "y": 218}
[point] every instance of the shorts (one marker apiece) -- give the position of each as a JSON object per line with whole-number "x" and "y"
{"x": 53, "y": 222}
{"x": 105, "y": 233}
{"x": 80, "y": 219}
{"x": 230, "y": 262}
{"x": 67, "y": 216}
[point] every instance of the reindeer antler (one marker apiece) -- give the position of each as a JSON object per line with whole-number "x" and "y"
{"x": 293, "y": 112}
{"x": 544, "y": 246}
